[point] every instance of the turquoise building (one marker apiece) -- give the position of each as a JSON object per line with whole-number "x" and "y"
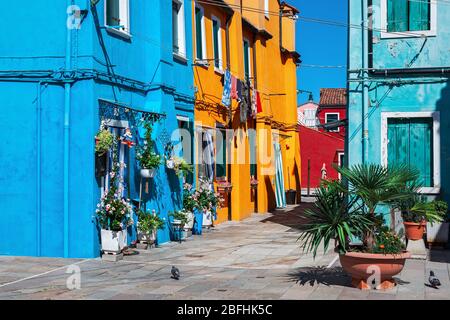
{"x": 399, "y": 89}
{"x": 66, "y": 67}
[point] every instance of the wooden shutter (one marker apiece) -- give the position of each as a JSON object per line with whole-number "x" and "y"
{"x": 397, "y": 15}
{"x": 419, "y": 15}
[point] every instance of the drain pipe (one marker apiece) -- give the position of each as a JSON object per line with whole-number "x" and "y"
{"x": 67, "y": 105}
{"x": 365, "y": 89}
{"x": 38, "y": 167}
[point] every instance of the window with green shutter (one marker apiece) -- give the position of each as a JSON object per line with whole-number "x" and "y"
{"x": 198, "y": 33}
{"x": 247, "y": 59}
{"x": 216, "y": 35}
{"x": 221, "y": 154}
{"x": 408, "y": 15}
{"x": 410, "y": 142}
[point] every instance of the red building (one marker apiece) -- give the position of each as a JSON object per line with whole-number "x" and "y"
{"x": 322, "y": 141}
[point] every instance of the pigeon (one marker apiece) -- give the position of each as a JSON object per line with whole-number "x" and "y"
{"x": 435, "y": 283}
{"x": 175, "y": 273}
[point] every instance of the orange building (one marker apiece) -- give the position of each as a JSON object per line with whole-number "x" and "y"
{"x": 255, "y": 43}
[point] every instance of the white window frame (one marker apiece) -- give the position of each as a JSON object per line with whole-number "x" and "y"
{"x": 435, "y": 115}
{"x": 250, "y": 59}
{"x": 219, "y": 37}
{"x": 408, "y": 34}
{"x": 203, "y": 27}
{"x": 338, "y": 118}
{"x": 181, "y": 31}
{"x": 124, "y": 12}
{"x": 339, "y": 154}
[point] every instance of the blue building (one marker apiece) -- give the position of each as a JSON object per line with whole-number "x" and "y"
{"x": 399, "y": 89}
{"x": 66, "y": 66}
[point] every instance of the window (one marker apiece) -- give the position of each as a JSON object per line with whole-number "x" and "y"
{"x": 408, "y": 17}
{"x": 179, "y": 38}
{"x": 186, "y": 138}
{"x": 330, "y": 118}
{"x": 413, "y": 138}
{"x": 200, "y": 40}
{"x": 221, "y": 153}
{"x": 247, "y": 59}
{"x": 205, "y": 153}
{"x": 117, "y": 16}
{"x": 266, "y": 8}
{"x": 217, "y": 43}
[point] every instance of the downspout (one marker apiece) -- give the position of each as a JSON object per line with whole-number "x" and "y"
{"x": 227, "y": 45}
{"x": 67, "y": 105}
{"x": 365, "y": 89}
{"x": 38, "y": 168}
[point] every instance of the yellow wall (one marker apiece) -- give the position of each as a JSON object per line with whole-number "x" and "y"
{"x": 276, "y": 82}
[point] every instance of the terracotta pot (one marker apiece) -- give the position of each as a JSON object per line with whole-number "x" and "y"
{"x": 414, "y": 231}
{"x": 365, "y": 267}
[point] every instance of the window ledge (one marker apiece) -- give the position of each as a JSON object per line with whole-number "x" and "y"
{"x": 430, "y": 190}
{"x": 219, "y": 71}
{"x": 408, "y": 34}
{"x": 180, "y": 57}
{"x": 118, "y": 32}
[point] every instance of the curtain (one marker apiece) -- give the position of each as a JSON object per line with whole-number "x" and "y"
{"x": 397, "y": 15}
{"x": 280, "y": 194}
{"x": 419, "y": 15}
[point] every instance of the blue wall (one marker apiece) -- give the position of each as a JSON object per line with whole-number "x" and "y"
{"x": 32, "y": 157}
{"x": 397, "y": 94}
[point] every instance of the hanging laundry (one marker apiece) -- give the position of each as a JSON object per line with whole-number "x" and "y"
{"x": 234, "y": 94}
{"x": 226, "y": 97}
{"x": 253, "y": 110}
{"x": 239, "y": 90}
{"x": 245, "y": 102}
{"x": 259, "y": 107}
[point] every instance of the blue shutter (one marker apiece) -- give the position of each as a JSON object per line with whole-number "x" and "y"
{"x": 397, "y": 15}
{"x": 419, "y": 15}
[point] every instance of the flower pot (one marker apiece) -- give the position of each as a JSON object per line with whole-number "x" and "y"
{"x": 113, "y": 241}
{"x": 190, "y": 223}
{"x": 438, "y": 232}
{"x": 148, "y": 173}
{"x": 365, "y": 267}
{"x": 207, "y": 219}
{"x": 147, "y": 237}
{"x": 414, "y": 231}
{"x": 198, "y": 223}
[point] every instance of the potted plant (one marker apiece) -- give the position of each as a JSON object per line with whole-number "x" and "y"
{"x": 438, "y": 232}
{"x": 148, "y": 224}
{"x": 148, "y": 159}
{"x": 103, "y": 143}
{"x": 343, "y": 213}
{"x": 114, "y": 212}
{"x": 180, "y": 220}
{"x": 223, "y": 186}
{"x": 182, "y": 167}
{"x": 208, "y": 201}
{"x": 189, "y": 205}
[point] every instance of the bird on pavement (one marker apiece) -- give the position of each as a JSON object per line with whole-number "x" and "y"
{"x": 435, "y": 283}
{"x": 175, "y": 273}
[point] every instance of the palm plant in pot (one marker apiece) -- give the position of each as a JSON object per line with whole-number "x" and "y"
{"x": 148, "y": 224}
{"x": 343, "y": 213}
{"x": 145, "y": 155}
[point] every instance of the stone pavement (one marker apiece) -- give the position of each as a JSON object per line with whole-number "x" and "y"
{"x": 258, "y": 258}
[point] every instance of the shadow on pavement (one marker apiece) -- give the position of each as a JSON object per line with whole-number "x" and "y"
{"x": 292, "y": 216}
{"x": 439, "y": 255}
{"x": 321, "y": 275}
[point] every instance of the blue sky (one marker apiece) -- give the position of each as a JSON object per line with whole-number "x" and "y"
{"x": 321, "y": 44}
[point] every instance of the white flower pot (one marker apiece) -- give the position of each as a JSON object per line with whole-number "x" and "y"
{"x": 190, "y": 223}
{"x": 207, "y": 219}
{"x": 113, "y": 241}
{"x": 437, "y": 232}
{"x": 148, "y": 173}
{"x": 147, "y": 237}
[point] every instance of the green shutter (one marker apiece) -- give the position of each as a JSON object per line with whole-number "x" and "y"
{"x": 198, "y": 33}
{"x": 216, "y": 43}
{"x": 221, "y": 154}
{"x": 419, "y": 15}
{"x": 112, "y": 13}
{"x": 175, "y": 10}
{"x": 246, "y": 61}
{"x": 397, "y": 15}
{"x": 410, "y": 142}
